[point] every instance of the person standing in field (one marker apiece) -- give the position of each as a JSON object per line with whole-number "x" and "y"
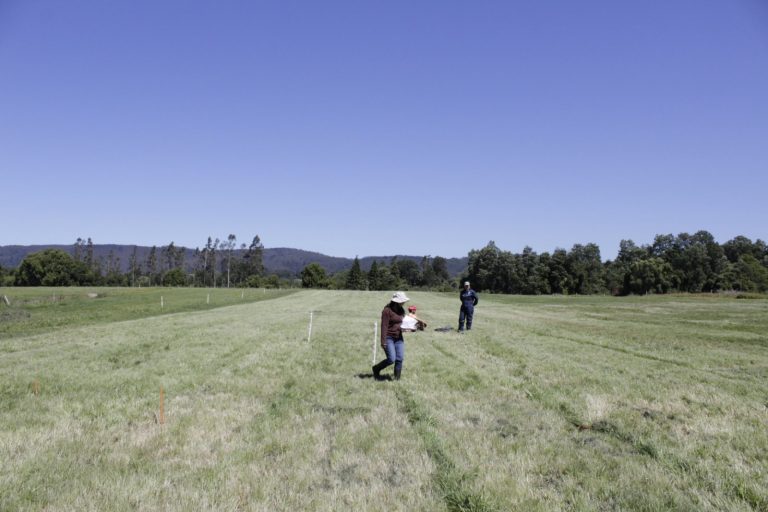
{"x": 469, "y": 300}
{"x": 392, "y": 336}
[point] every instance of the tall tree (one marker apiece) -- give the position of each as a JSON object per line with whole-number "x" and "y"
{"x": 428, "y": 276}
{"x": 79, "y": 249}
{"x": 483, "y": 266}
{"x": 373, "y": 276}
{"x": 113, "y": 276}
{"x": 313, "y": 276}
{"x": 627, "y": 261}
{"x": 210, "y": 261}
{"x": 230, "y": 245}
{"x": 440, "y": 269}
{"x": 559, "y": 279}
{"x": 133, "y": 265}
{"x": 253, "y": 260}
{"x": 738, "y": 247}
{"x": 169, "y": 257}
{"x": 751, "y": 275}
{"x": 89, "y": 259}
{"x": 151, "y": 266}
{"x": 585, "y": 268}
{"x": 181, "y": 254}
{"x": 356, "y": 279}
{"x": 407, "y": 271}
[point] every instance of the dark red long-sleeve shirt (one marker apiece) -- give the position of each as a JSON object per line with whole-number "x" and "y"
{"x": 390, "y": 325}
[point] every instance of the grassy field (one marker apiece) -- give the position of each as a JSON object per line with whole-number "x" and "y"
{"x": 35, "y": 310}
{"x": 549, "y": 403}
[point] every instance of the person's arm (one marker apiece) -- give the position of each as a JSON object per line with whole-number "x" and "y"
{"x": 476, "y": 300}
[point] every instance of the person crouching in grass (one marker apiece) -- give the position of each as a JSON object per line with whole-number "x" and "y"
{"x": 412, "y": 323}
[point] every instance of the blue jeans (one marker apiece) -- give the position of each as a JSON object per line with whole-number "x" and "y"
{"x": 466, "y": 313}
{"x": 395, "y": 352}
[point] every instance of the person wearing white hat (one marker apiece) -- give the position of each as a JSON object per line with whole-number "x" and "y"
{"x": 392, "y": 335}
{"x": 469, "y": 300}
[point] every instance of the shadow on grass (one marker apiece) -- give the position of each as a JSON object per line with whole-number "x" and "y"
{"x": 384, "y": 378}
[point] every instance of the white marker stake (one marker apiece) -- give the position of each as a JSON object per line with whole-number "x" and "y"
{"x": 309, "y": 336}
{"x": 208, "y": 299}
{"x": 242, "y": 293}
{"x": 375, "y": 333}
{"x": 161, "y": 302}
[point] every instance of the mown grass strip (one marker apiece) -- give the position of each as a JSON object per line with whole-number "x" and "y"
{"x": 737, "y": 488}
{"x": 452, "y": 482}
{"x": 34, "y": 311}
{"x": 642, "y": 355}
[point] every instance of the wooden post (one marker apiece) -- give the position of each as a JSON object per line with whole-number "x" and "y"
{"x": 36, "y": 387}
{"x": 309, "y": 336}
{"x": 208, "y": 299}
{"x": 7, "y": 302}
{"x": 162, "y": 304}
{"x": 162, "y": 406}
{"x": 375, "y": 333}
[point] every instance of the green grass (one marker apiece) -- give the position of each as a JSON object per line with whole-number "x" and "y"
{"x": 549, "y": 403}
{"x": 35, "y": 310}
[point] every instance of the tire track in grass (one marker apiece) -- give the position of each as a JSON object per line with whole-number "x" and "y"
{"x": 634, "y": 353}
{"x": 649, "y": 357}
{"x": 450, "y": 480}
{"x": 736, "y": 489}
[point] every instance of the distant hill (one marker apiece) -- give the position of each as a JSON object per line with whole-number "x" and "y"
{"x": 282, "y": 261}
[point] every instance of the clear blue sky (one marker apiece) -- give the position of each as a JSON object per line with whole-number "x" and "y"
{"x": 379, "y": 128}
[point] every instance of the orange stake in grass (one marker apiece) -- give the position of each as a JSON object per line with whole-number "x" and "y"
{"x": 36, "y": 387}
{"x": 162, "y": 406}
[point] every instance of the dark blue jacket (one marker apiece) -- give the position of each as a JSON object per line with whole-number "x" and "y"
{"x": 468, "y": 298}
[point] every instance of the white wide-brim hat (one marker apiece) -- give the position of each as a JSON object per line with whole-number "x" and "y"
{"x": 399, "y": 297}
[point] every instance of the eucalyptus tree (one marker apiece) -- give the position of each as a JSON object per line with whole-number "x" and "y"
{"x": 133, "y": 265}
{"x": 151, "y": 265}
{"x": 253, "y": 260}
{"x": 229, "y": 246}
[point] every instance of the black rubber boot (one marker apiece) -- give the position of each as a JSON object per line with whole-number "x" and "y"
{"x": 397, "y": 373}
{"x": 377, "y": 369}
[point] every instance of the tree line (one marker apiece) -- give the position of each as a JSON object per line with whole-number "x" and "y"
{"x": 683, "y": 263}
{"x": 671, "y": 263}
{"x": 429, "y": 274}
{"x": 220, "y": 263}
